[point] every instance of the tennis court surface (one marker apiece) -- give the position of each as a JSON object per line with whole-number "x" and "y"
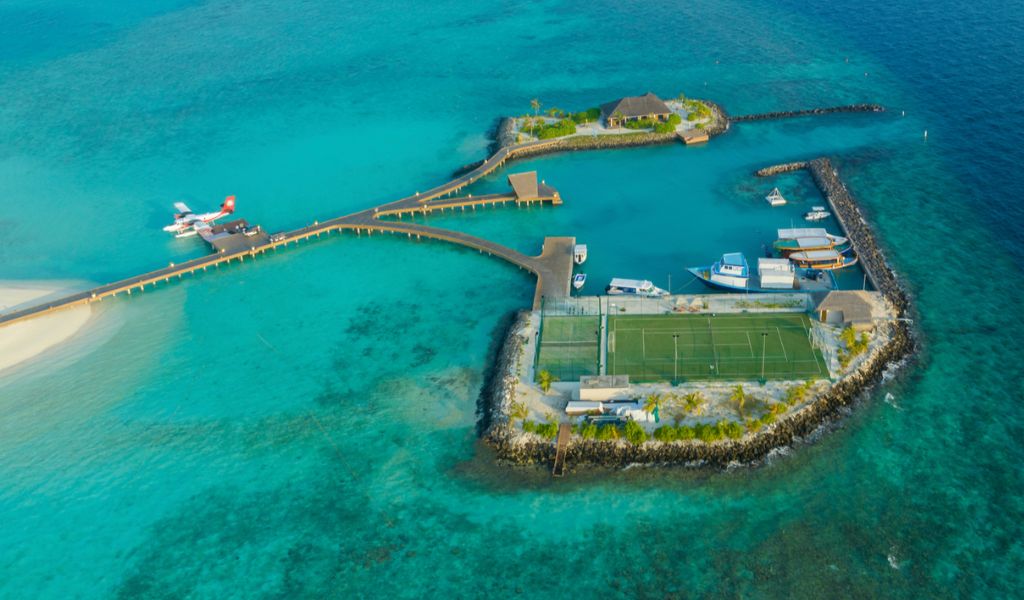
{"x": 730, "y": 347}
{"x": 569, "y": 346}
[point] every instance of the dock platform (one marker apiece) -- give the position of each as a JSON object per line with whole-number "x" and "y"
{"x": 561, "y": 446}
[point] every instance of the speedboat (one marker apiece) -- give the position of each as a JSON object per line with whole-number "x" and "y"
{"x": 578, "y": 280}
{"x": 775, "y": 197}
{"x": 824, "y": 260}
{"x": 635, "y": 287}
{"x": 732, "y": 273}
{"x": 817, "y": 213}
{"x": 579, "y": 253}
{"x": 807, "y": 240}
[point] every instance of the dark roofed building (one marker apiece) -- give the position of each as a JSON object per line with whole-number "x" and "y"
{"x": 846, "y": 308}
{"x": 634, "y": 108}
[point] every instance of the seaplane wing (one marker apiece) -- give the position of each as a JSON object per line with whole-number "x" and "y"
{"x": 182, "y": 207}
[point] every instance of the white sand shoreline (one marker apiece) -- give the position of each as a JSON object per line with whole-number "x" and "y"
{"x": 22, "y": 341}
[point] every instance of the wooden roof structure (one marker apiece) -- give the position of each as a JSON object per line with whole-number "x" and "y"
{"x": 854, "y": 305}
{"x": 635, "y": 107}
{"x": 524, "y": 185}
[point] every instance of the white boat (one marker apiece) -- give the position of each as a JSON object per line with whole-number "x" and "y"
{"x": 775, "y": 198}
{"x": 634, "y": 287}
{"x": 578, "y": 280}
{"x": 773, "y": 274}
{"x": 579, "y": 253}
{"x": 817, "y": 213}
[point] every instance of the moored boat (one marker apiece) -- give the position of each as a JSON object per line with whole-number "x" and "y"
{"x": 635, "y": 287}
{"x": 775, "y": 198}
{"x": 817, "y": 213}
{"x": 732, "y": 273}
{"x": 579, "y": 253}
{"x": 807, "y": 240}
{"x": 825, "y": 260}
{"x": 578, "y": 280}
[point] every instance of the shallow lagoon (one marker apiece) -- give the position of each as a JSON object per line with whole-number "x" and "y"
{"x": 304, "y": 425}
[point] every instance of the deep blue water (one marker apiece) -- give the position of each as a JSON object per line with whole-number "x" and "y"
{"x": 304, "y": 426}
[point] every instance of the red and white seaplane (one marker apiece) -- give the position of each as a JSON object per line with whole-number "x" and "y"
{"x": 187, "y": 223}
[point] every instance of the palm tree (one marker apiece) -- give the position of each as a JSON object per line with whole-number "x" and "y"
{"x": 545, "y": 379}
{"x": 694, "y": 402}
{"x": 535, "y": 105}
{"x": 739, "y": 397}
{"x": 653, "y": 405}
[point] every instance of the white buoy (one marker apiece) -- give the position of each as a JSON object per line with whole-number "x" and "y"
{"x": 903, "y": 113}
{"x": 926, "y": 133}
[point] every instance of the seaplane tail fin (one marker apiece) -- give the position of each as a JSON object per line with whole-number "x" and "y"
{"x": 229, "y": 205}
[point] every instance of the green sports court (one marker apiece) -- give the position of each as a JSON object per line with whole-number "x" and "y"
{"x": 569, "y": 346}
{"x": 729, "y": 347}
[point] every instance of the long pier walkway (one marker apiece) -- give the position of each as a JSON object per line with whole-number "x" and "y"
{"x": 553, "y": 267}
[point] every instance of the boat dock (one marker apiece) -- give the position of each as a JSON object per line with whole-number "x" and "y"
{"x": 553, "y": 266}
{"x": 561, "y": 445}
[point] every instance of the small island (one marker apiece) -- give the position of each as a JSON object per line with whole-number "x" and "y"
{"x": 636, "y": 376}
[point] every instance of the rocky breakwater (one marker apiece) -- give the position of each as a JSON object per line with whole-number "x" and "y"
{"x": 779, "y": 169}
{"x": 529, "y": 449}
{"x": 850, "y": 108}
{"x": 500, "y": 381}
{"x": 848, "y": 213}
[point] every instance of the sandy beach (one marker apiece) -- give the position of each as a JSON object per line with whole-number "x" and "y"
{"x": 21, "y": 341}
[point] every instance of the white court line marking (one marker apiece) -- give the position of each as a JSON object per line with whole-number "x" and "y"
{"x": 782, "y": 343}
{"x": 643, "y": 342}
{"x": 750, "y": 345}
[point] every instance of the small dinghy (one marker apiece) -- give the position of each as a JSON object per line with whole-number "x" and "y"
{"x": 817, "y": 213}
{"x": 579, "y": 253}
{"x": 578, "y": 280}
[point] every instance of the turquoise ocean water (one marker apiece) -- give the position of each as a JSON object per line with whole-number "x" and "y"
{"x": 304, "y": 426}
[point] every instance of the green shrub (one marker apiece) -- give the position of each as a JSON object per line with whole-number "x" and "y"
{"x": 587, "y": 116}
{"x": 664, "y": 127}
{"x": 529, "y": 425}
{"x": 635, "y": 433}
{"x": 547, "y": 430}
{"x": 685, "y": 432}
{"x": 729, "y": 429}
{"x": 608, "y": 432}
{"x": 561, "y": 128}
{"x": 707, "y": 433}
{"x": 666, "y": 433}
{"x": 674, "y": 119}
{"x": 588, "y": 431}
{"x": 691, "y": 117}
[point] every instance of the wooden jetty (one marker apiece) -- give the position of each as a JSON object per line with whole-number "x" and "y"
{"x": 553, "y": 267}
{"x": 561, "y": 446}
{"x": 693, "y": 136}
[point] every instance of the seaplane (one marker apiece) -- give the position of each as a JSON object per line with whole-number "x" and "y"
{"x": 187, "y": 223}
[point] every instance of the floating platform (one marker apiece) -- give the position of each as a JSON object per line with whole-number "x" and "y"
{"x": 693, "y": 136}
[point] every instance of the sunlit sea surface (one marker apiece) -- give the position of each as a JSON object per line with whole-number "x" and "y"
{"x": 304, "y": 426}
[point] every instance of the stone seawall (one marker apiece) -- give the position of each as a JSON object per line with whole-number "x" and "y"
{"x": 851, "y": 108}
{"x": 499, "y": 388}
{"x": 857, "y": 229}
{"x": 778, "y": 169}
{"x": 825, "y": 409}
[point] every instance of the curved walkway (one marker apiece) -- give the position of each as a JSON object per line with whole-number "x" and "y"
{"x": 553, "y": 266}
